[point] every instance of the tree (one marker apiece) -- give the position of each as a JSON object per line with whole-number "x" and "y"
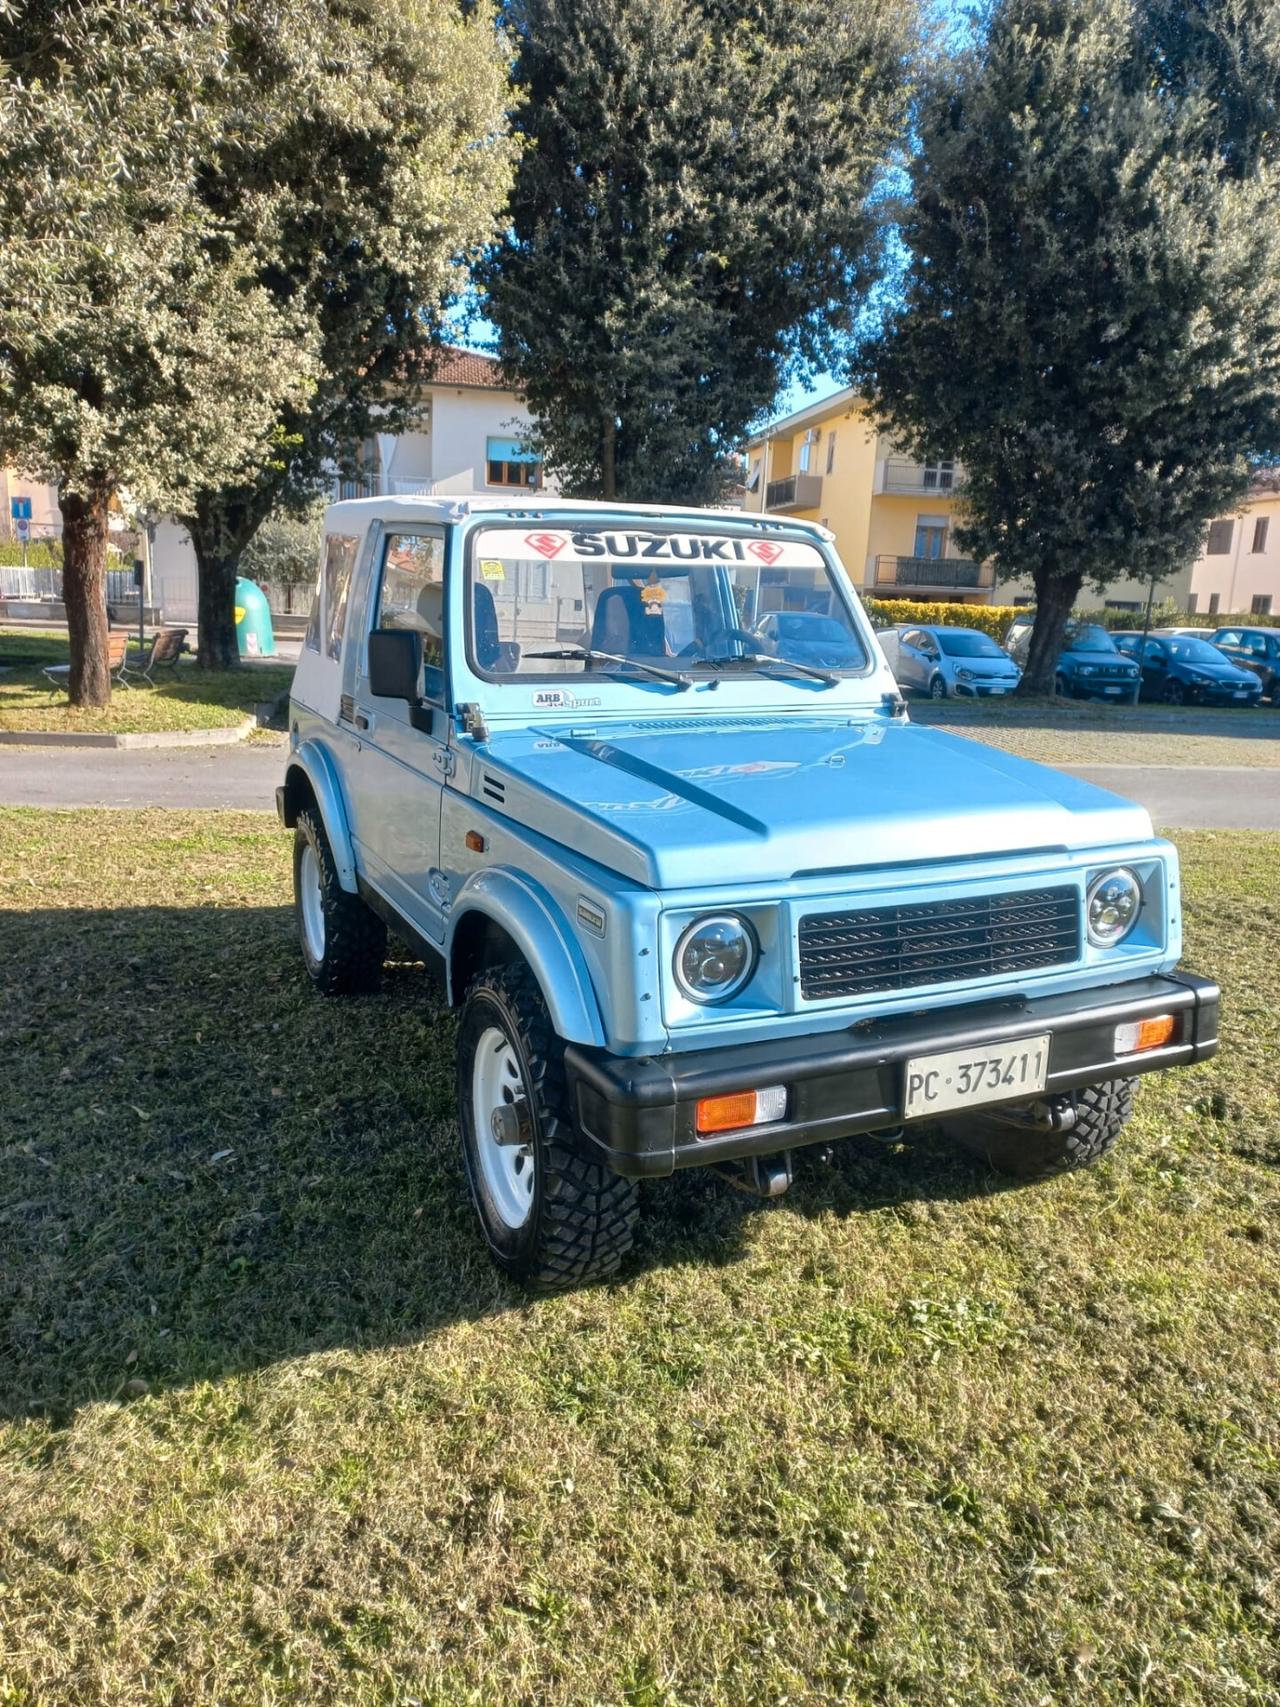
{"x": 1091, "y": 317}
{"x": 285, "y": 548}
{"x": 136, "y": 347}
{"x": 691, "y": 221}
{"x": 361, "y": 210}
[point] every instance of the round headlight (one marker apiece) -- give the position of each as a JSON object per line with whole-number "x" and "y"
{"x": 715, "y": 957}
{"x": 1113, "y": 906}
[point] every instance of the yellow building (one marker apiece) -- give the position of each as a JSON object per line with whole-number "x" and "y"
{"x": 893, "y": 521}
{"x": 892, "y": 517}
{"x": 36, "y": 499}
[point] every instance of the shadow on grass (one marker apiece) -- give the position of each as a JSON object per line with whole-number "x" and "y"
{"x": 205, "y": 1168}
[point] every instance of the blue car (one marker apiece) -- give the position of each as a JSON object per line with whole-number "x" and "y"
{"x": 946, "y": 661}
{"x": 698, "y": 902}
{"x": 1090, "y": 665}
{"x": 809, "y": 636}
{"x": 1184, "y": 671}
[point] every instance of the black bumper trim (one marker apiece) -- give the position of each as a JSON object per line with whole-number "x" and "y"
{"x": 639, "y": 1114}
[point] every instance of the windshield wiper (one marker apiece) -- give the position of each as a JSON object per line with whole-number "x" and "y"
{"x": 588, "y": 653}
{"x": 758, "y": 660}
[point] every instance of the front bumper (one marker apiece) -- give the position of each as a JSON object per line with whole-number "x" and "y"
{"x": 639, "y": 1114}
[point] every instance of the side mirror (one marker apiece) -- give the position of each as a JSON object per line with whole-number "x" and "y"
{"x": 395, "y": 664}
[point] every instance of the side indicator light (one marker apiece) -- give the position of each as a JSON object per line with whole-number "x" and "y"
{"x": 1143, "y": 1034}
{"x": 475, "y": 841}
{"x": 742, "y": 1109}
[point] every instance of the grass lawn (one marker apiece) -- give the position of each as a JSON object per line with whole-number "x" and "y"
{"x": 189, "y": 699}
{"x": 1094, "y": 746}
{"x": 278, "y": 1433}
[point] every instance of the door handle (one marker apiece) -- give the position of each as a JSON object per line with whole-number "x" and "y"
{"x": 364, "y": 720}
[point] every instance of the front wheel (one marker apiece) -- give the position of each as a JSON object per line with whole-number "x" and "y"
{"x": 1060, "y": 687}
{"x": 937, "y": 688}
{"x": 553, "y": 1217}
{"x": 1027, "y": 1153}
{"x": 1175, "y": 693}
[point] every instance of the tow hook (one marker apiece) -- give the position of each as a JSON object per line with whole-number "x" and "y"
{"x": 1048, "y": 1114}
{"x": 760, "y": 1176}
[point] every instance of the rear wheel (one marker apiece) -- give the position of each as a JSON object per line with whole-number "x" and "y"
{"x": 343, "y": 943}
{"x": 553, "y": 1217}
{"x": 1027, "y": 1153}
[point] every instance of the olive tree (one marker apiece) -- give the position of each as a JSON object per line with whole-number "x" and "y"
{"x": 1091, "y": 315}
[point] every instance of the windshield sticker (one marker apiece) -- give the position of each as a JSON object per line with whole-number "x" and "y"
{"x": 492, "y": 569}
{"x": 587, "y": 545}
{"x": 653, "y": 595}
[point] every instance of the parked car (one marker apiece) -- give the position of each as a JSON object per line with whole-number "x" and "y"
{"x": 941, "y": 661}
{"x": 1189, "y": 633}
{"x": 1089, "y": 665}
{"x": 809, "y": 636}
{"x": 699, "y": 904}
{"x": 1181, "y": 670}
{"x": 1257, "y": 649}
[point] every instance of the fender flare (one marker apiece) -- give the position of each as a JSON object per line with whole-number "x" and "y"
{"x": 320, "y": 771}
{"x": 531, "y": 918}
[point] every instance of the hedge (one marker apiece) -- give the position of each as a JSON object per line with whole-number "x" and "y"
{"x": 47, "y": 554}
{"x": 995, "y": 619}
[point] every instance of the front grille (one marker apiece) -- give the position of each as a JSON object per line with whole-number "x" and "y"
{"x": 941, "y": 942}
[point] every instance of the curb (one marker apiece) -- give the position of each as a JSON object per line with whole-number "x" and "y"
{"x": 224, "y": 737}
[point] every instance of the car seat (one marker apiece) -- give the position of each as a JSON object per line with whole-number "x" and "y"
{"x": 621, "y": 626}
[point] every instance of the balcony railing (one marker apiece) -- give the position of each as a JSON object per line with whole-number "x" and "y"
{"x": 796, "y": 492}
{"x": 413, "y": 488}
{"x": 364, "y": 487}
{"x": 917, "y": 478}
{"x": 937, "y": 574}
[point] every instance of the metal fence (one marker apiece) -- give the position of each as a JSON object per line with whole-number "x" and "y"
{"x": 19, "y": 583}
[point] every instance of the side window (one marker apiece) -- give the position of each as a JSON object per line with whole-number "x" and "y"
{"x": 340, "y": 551}
{"x": 1230, "y": 637}
{"x": 411, "y": 596}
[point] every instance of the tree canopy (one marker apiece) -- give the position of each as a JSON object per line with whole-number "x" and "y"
{"x": 1091, "y": 319}
{"x": 691, "y": 220}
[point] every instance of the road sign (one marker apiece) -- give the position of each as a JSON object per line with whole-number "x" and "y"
{"x": 22, "y": 527}
{"x": 20, "y": 509}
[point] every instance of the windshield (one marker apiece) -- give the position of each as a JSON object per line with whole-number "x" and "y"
{"x": 644, "y": 603}
{"x": 1195, "y": 651}
{"x": 1088, "y": 637}
{"x": 967, "y": 643}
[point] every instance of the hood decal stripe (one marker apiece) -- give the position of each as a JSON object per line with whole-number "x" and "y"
{"x": 668, "y": 781}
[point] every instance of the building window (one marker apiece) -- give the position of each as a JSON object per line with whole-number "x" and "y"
{"x": 1261, "y": 605}
{"x": 753, "y": 479}
{"x": 1121, "y": 604}
{"x": 831, "y": 452}
{"x": 1219, "y": 542}
{"x": 939, "y": 476}
{"x": 807, "y": 444}
{"x": 510, "y": 463}
{"x": 931, "y": 536}
{"x": 1260, "y": 533}
{"x": 1214, "y": 603}
{"x": 1191, "y": 604}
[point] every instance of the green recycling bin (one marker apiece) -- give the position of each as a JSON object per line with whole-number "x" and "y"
{"x": 254, "y": 635}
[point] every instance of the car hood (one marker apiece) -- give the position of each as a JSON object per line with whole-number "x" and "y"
{"x": 986, "y": 666}
{"x": 689, "y": 802}
{"x": 1223, "y": 672}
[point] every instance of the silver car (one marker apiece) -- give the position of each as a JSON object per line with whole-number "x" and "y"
{"x": 945, "y": 662}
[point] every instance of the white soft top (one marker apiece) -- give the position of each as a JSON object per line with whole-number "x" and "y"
{"x": 357, "y": 513}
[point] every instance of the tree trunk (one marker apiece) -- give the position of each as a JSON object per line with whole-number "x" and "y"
{"x": 1055, "y": 597}
{"x": 223, "y": 524}
{"x": 608, "y": 457}
{"x": 84, "y": 591}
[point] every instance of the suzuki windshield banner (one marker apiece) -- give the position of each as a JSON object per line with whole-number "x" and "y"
{"x": 623, "y": 544}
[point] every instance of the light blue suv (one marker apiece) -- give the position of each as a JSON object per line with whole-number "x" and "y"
{"x": 700, "y": 902}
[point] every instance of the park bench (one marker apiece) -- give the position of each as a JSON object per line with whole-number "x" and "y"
{"x": 117, "y": 651}
{"x": 167, "y": 647}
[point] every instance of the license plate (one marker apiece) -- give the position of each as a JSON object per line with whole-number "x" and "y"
{"x": 1112, "y": 690}
{"x": 1240, "y": 695}
{"x": 967, "y": 1078}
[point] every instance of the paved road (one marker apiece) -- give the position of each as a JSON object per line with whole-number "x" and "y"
{"x": 1181, "y": 797}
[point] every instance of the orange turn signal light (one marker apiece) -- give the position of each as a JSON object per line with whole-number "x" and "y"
{"x": 742, "y": 1108}
{"x": 1143, "y": 1034}
{"x": 475, "y": 841}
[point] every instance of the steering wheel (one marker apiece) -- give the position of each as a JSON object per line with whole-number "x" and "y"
{"x": 697, "y": 648}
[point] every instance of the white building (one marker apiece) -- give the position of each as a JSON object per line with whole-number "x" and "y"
{"x": 466, "y": 438}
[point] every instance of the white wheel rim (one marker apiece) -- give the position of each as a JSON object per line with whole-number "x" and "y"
{"x": 312, "y": 898}
{"x": 497, "y": 1083}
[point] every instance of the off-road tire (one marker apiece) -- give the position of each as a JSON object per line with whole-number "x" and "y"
{"x": 1102, "y": 1112}
{"x": 583, "y": 1216}
{"x": 355, "y": 938}
{"x": 938, "y": 688}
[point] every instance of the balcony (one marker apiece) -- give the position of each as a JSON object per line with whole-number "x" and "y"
{"x": 796, "y": 492}
{"x": 413, "y": 488}
{"x": 921, "y": 479}
{"x": 359, "y": 488}
{"x": 934, "y": 574}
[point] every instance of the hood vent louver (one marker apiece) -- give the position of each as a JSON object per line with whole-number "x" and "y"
{"x": 493, "y": 788}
